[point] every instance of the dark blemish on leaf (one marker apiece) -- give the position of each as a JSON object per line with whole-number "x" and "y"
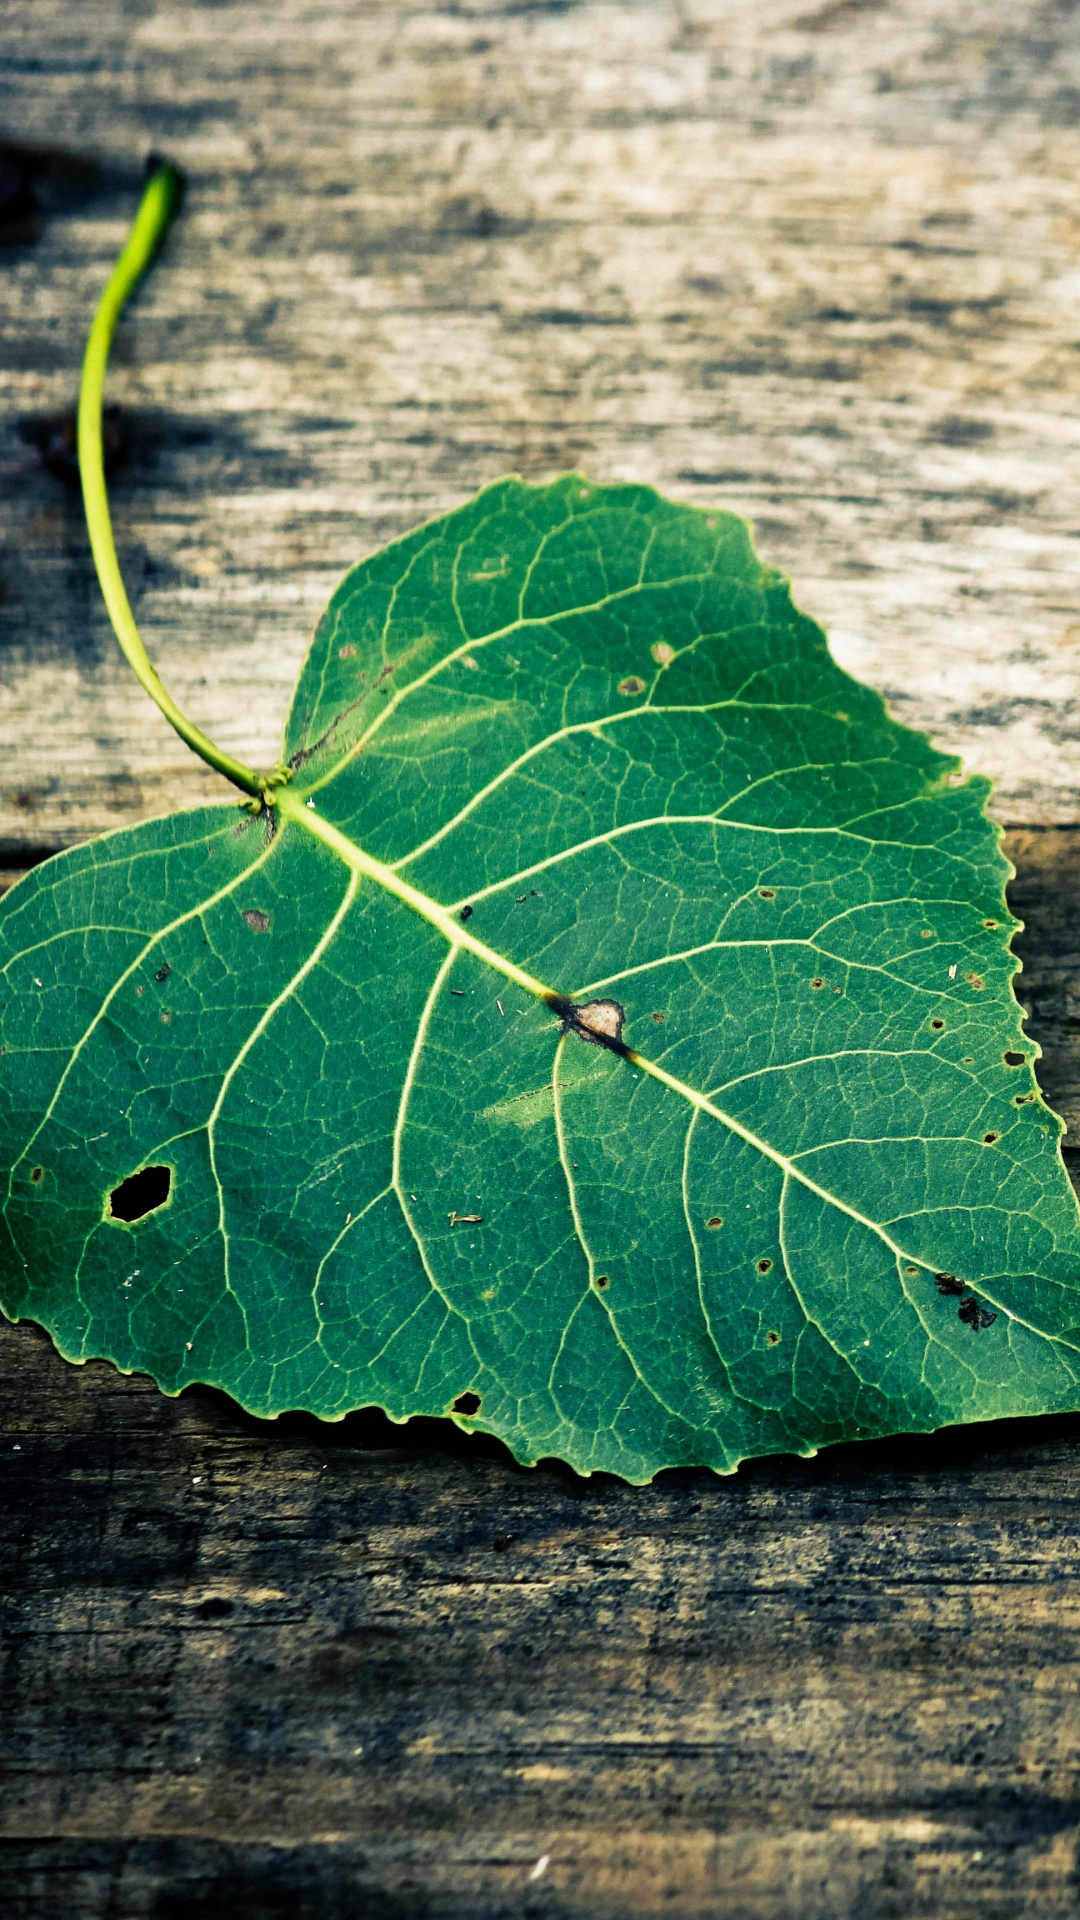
{"x": 346, "y": 653}
{"x": 772, "y": 1337}
{"x": 598, "y": 1021}
{"x": 465, "y": 1219}
{"x": 764, "y": 1266}
{"x": 974, "y": 1314}
{"x": 938, "y": 1025}
{"x": 521, "y": 899}
{"x": 467, "y": 1403}
{"x": 386, "y": 672}
{"x": 1014, "y": 1059}
{"x": 715, "y": 1220}
{"x": 1022, "y": 1099}
{"x": 163, "y": 972}
{"x": 766, "y": 893}
{"x": 55, "y": 435}
{"x": 631, "y": 684}
{"x": 216, "y": 1608}
{"x": 141, "y": 1193}
{"x": 990, "y": 925}
{"x": 948, "y": 1283}
{"x": 602, "y": 1280}
{"x": 256, "y": 919}
{"x": 817, "y": 983}
{"x": 912, "y": 1271}
{"x": 37, "y": 1175}
{"x": 466, "y": 913}
{"x": 974, "y": 981}
{"x": 989, "y": 1139}
{"x": 659, "y": 1018}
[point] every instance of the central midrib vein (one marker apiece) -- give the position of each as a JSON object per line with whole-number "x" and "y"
{"x": 458, "y": 936}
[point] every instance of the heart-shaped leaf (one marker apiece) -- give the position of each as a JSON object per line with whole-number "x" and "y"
{"x": 608, "y": 1037}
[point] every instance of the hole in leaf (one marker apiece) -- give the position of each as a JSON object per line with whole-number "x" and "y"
{"x": 37, "y": 1175}
{"x": 216, "y": 1608}
{"x": 467, "y": 1403}
{"x": 631, "y": 684}
{"x": 1014, "y": 1059}
{"x": 715, "y": 1220}
{"x": 141, "y": 1193}
{"x": 912, "y": 1271}
{"x": 990, "y": 925}
{"x": 948, "y": 1283}
{"x": 602, "y": 1280}
{"x": 772, "y": 1337}
{"x": 764, "y": 1266}
{"x": 163, "y": 972}
{"x": 257, "y": 920}
{"x": 766, "y": 893}
{"x": 466, "y": 913}
{"x": 1022, "y": 1099}
{"x": 937, "y": 1025}
{"x": 989, "y": 1138}
{"x": 817, "y": 983}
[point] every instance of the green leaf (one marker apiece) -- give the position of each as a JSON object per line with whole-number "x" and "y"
{"x": 610, "y": 1037}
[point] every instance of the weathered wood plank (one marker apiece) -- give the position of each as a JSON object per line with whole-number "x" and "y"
{"x": 310, "y": 1671}
{"x": 818, "y": 265}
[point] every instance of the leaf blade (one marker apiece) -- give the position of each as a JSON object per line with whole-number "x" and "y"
{"x": 569, "y": 744}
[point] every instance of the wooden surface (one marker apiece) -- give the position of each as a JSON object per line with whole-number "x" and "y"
{"x": 820, "y": 262}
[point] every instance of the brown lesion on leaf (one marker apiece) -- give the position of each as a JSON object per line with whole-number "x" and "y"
{"x": 599, "y": 1021}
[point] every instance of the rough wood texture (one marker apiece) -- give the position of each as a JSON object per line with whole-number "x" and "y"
{"x": 815, "y": 261}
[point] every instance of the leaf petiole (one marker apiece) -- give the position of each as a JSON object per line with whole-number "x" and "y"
{"x": 160, "y": 202}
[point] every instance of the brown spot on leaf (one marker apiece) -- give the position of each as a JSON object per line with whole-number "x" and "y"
{"x": 599, "y": 1020}
{"x": 974, "y": 1314}
{"x": 715, "y": 1220}
{"x": 256, "y": 919}
{"x": 631, "y": 684}
{"x": 662, "y": 653}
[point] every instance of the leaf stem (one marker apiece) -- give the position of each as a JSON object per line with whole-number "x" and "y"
{"x": 160, "y": 202}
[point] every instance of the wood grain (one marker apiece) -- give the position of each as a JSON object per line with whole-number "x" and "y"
{"x": 815, "y": 262}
